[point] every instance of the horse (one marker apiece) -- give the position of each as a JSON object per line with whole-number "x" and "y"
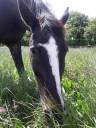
{"x": 47, "y": 52}
{"x": 47, "y": 46}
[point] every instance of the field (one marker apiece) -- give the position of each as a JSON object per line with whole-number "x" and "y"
{"x": 79, "y": 81}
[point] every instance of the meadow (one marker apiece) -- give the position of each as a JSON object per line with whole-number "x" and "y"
{"x": 79, "y": 82}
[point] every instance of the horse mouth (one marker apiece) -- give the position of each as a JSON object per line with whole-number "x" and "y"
{"x": 47, "y": 100}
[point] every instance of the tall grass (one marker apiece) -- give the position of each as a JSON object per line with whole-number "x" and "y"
{"x": 79, "y": 82}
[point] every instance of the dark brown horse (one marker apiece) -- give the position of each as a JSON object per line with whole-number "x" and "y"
{"x": 47, "y": 46}
{"x": 47, "y": 52}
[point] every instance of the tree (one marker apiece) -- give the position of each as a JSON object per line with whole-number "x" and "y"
{"x": 76, "y": 28}
{"x": 90, "y": 32}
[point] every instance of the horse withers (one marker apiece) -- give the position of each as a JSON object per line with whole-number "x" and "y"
{"x": 47, "y": 51}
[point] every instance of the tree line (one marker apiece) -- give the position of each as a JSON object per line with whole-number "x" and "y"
{"x": 80, "y": 30}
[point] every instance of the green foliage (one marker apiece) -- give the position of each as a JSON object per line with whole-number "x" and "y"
{"x": 75, "y": 28}
{"x": 25, "y": 39}
{"x": 90, "y": 32}
{"x": 79, "y": 82}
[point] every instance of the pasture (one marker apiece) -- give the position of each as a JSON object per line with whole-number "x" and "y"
{"x": 79, "y": 81}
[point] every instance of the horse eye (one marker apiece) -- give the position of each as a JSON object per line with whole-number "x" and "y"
{"x": 35, "y": 51}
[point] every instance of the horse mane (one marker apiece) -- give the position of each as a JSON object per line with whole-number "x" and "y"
{"x": 43, "y": 14}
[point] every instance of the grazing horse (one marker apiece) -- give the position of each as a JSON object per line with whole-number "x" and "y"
{"x": 47, "y": 45}
{"x": 47, "y": 51}
{"x": 11, "y": 30}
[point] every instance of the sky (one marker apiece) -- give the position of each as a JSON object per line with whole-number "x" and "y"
{"x": 87, "y": 7}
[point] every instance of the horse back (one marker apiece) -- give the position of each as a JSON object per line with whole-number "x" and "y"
{"x": 11, "y": 25}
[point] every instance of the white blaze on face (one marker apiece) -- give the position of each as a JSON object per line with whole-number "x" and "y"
{"x": 52, "y": 51}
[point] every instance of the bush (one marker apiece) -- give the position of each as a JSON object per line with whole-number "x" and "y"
{"x": 75, "y": 28}
{"x": 25, "y": 39}
{"x": 90, "y": 32}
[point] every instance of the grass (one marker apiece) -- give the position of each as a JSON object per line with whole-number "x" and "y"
{"x": 79, "y": 81}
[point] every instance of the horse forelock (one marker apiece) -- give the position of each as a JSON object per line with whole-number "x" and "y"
{"x": 44, "y": 15}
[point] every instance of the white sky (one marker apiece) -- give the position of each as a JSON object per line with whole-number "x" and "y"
{"x": 87, "y": 7}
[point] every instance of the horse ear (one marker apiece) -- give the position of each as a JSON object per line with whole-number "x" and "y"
{"x": 26, "y": 10}
{"x": 65, "y": 16}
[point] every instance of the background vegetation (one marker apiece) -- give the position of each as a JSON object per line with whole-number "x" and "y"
{"x": 79, "y": 81}
{"x": 80, "y": 30}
